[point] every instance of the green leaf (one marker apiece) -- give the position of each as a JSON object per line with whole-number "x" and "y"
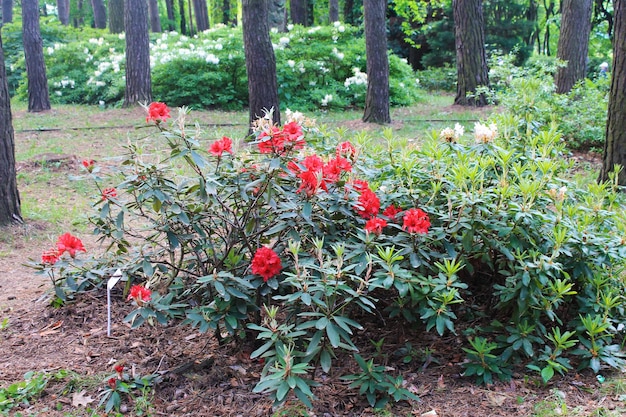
{"x": 332, "y": 334}
{"x": 547, "y": 373}
{"x": 325, "y": 360}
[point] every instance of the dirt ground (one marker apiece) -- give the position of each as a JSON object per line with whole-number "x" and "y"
{"x": 202, "y": 378}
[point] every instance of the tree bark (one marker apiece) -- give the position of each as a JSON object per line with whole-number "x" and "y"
{"x": 573, "y": 43}
{"x": 298, "y": 12}
{"x": 155, "y": 19}
{"x": 63, "y": 9}
{"x": 7, "y": 11}
{"x": 38, "y": 98}
{"x": 377, "y": 99}
{"x": 333, "y": 11}
{"x": 116, "y": 16}
{"x": 615, "y": 145}
{"x": 226, "y": 12}
{"x": 171, "y": 19}
{"x": 277, "y": 15}
{"x": 471, "y": 58}
{"x": 260, "y": 60}
{"x": 183, "y": 18}
{"x": 99, "y": 14}
{"x": 10, "y": 206}
{"x": 202, "y": 15}
{"x": 138, "y": 81}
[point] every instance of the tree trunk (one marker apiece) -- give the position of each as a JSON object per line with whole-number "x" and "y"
{"x": 10, "y": 211}
{"x": 155, "y": 19}
{"x": 99, "y": 14}
{"x": 333, "y": 11}
{"x": 298, "y": 12}
{"x": 138, "y": 82}
{"x": 260, "y": 60}
{"x": 183, "y": 18}
{"x": 471, "y": 58}
{"x": 277, "y": 15}
{"x": 377, "y": 99}
{"x": 348, "y": 12}
{"x": 573, "y": 43}
{"x": 63, "y": 9}
{"x": 171, "y": 19}
{"x": 615, "y": 145}
{"x": 79, "y": 19}
{"x": 226, "y": 12}
{"x": 202, "y": 15}
{"x": 116, "y": 16}
{"x": 38, "y": 98}
{"x": 7, "y": 11}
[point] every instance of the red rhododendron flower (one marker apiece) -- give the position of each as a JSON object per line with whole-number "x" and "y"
{"x": 311, "y": 182}
{"x": 360, "y": 185}
{"x": 157, "y": 112}
{"x": 266, "y": 263}
{"x": 375, "y": 225}
{"x": 119, "y": 369}
{"x": 334, "y": 168}
{"x": 112, "y": 382}
{"x": 89, "y": 164}
{"x": 220, "y": 146}
{"x": 273, "y": 142}
{"x": 69, "y": 243}
{"x": 50, "y": 256}
{"x": 139, "y": 293}
{"x": 346, "y": 150}
{"x": 392, "y": 211}
{"x": 109, "y": 193}
{"x": 416, "y": 221}
{"x": 369, "y": 204}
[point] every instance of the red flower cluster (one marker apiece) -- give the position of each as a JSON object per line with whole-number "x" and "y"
{"x": 346, "y": 150}
{"x": 375, "y": 225}
{"x": 140, "y": 294}
{"x": 220, "y": 146}
{"x": 157, "y": 112}
{"x": 50, "y": 256}
{"x": 266, "y": 263}
{"x": 89, "y": 164}
{"x": 109, "y": 193}
{"x": 391, "y": 212}
{"x": 317, "y": 174}
{"x": 69, "y": 243}
{"x": 416, "y": 221}
{"x": 280, "y": 141}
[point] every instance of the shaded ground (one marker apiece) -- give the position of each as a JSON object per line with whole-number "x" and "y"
{"x": 202, "y": 378}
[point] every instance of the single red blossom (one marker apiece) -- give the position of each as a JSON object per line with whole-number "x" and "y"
{"x": 313, "y": 163}
{"x": 312, "y": 181}
{"x": 112, "y": 382}
{"x": 360, "y": 185}
{"x": 346, "y": 150}
{"x": 273, "y": 142}
{"x": 50, "y": 256}
{"x": 109, "y": 193}
{"x": 369, "y": 204}
{"x": 375, "y": 225}
{"x": 333, "y": 168}
{"x": 220, "y": 146}
{"x": 69, "y": 243}
{"x": 416, "y": 221}
{"x": 140, "y": 294}
{"x": 89, "y": 164}
{"x": 391, "y": 212}
{"x": 119, "y": 369}
{"x": 157, "y": 112}
{"x": 293, "y": 136}
{"x": 266, "y": 263}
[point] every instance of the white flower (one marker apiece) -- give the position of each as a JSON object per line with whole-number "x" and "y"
{"x": 327, "y": 99}
{"x": 218, "y": 46}
{"x": 294, "y": 117}
{"x": 337, "y": 24}
{"x": 341, "y": 28}
{"x": 274, "y": 30}
{"x": 291, "y": 63}
{"x": 212, "y": 59}
{"x": 485, "y": 134}
{"x": 283, "y": 41}
{"x": 101, "y": 103}
{"x": 58, "y": 93}
{"x": 459, "y": 130}
{"x": 50, "y": 50}
{"x": 290, "y": 27}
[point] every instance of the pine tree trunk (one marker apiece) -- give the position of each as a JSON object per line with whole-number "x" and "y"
{"x": 183, "y": 18}
{"x": 99, "y": 14}
{"x": 377, "y": 99}
{"x": 333, "y": 11}
{"x": 277, "y": 15}
{"x": 615, "y": 145}
{"x": 298, "y": 12}
{"x": 7, "y": 11}
{"x": 471, "y": 58}
{"x": 260, "y": 60}
{"x": 226, "y": 12}
{"x": 9, "y": 195}
{"x": 38, "y": 98}
{"x": 171, "y": 19}
{"x": 116, "y": 16}
{"x": 138, "y": 82}
{"x": 573, "y": 43}
{"x": 348, "y": 12}
{"x": 202, "y": 15}
{"x": 63, "y": 9}
{"x": 155, "y": 19}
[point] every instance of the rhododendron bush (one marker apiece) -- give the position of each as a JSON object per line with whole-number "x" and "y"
{"x": 291, "y": 235}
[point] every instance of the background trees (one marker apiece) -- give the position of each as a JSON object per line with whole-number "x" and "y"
{"x": 138, "y": 81}
{"x": 377, "y": 100}
{"x": 38, "y": 98}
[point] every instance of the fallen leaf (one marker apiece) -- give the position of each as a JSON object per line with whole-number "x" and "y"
{"x": 431, "y": 413}
{"x": 80, "y": 399}
{"x": 496, "y": 400}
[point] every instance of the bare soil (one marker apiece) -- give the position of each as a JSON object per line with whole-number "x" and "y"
{"x": 203, "y": 378}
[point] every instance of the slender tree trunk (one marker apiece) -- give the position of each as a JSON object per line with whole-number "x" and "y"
{"x": 99, "y": 14}
{"x": 260, "y": 60}
{"x": 138, "y": 81}
{"x": 377, "y": 99}
{"x": 333, "y": 11}
{"x": 155, "y": 19}
{"x": 573, "y": 43}
{"x": 202, "y": 15}
{"x": 7, "y": 11}
{"x": 298, "y": 12}
{"x": 348, "y": 12}
{"x": 63, "y": 9}
{"x": 38, "y": 98}
{"x": 277, "y": 15}
{"x": 471, "y": 58}
{"x": 171, "y": 19}
{"x": 79, "y": 19}
{"x": 615, "y": 145}
{"x": 116, "y": 16}
{"x": 10, "y": 206}
{"x": 226, "y": 12}
{"x": 183, "y": 18}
